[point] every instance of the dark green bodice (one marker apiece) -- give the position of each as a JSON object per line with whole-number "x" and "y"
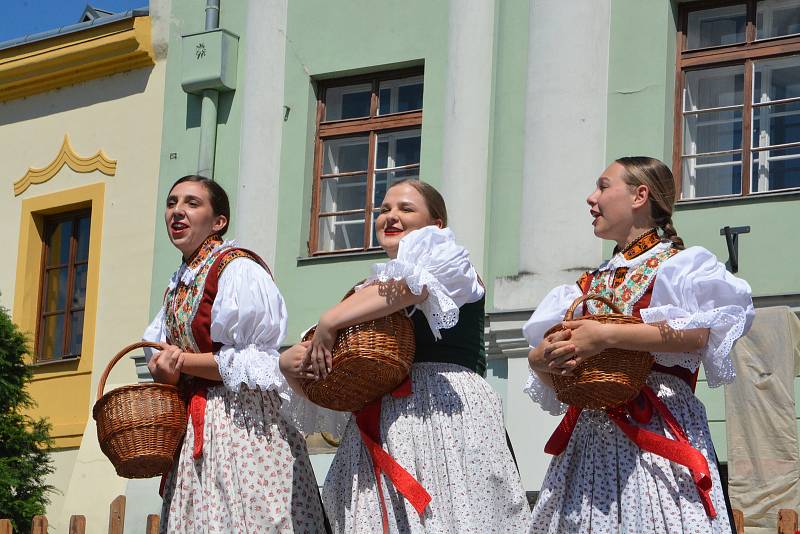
{"x": 462, "y": 344}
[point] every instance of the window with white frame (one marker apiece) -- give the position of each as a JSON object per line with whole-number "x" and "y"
{"x": 369, "y": 132}
{"x": 738, "y": 115}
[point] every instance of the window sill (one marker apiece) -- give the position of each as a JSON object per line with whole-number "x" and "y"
{"x": 697, "y": 203}
{"x": 51, "y": 363}
{"x": 341, "y": 257}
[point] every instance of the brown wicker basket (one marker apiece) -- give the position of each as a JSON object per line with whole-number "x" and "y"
{"x": 139, "y": 427}
{"x": 370, "y": 359}
{"x": 608, "y": 379}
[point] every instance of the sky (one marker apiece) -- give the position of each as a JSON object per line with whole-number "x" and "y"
{"x": 24, "y": 17}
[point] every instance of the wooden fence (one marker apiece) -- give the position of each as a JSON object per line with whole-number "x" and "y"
{"x": 77, "y": 523}
{"x": 787, "y": 521}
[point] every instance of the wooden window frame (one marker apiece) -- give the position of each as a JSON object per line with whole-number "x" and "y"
{"x": 72, "y": 263}
{"x": 721, "y": 56}
{"x": 372, "y": 126}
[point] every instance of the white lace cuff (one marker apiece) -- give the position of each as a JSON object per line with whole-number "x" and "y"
{"x": 543, "y": 395}
{"x": 440, "y": 310}
{"x": 308, "y": 417}
{"x": 254, "y": 367}
{"x": 726, "y": 325}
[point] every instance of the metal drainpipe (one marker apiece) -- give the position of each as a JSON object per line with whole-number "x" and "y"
{"x": 208, "y": 109}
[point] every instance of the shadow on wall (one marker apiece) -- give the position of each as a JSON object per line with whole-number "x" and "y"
{"x": 73, "y": 97}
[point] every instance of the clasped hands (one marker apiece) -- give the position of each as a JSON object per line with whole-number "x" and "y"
{"x": 562, "y": 351}
{"x": 310, "y": 360}
{"x": 165, "y": 366}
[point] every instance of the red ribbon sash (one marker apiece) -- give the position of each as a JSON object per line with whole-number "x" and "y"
{"x": 678, "y": 449}
{"x": 368, "y": 420}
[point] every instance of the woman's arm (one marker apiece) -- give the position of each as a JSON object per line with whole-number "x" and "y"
{"x": 202, "y": 365}
{"x": 167, "y": 365}
{"x": 374, "y": 301}
{"x": 590, "y": 337}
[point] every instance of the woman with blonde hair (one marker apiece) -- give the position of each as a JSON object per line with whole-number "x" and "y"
{"x": 648, "y": 467}
{"x": 432, "y": 456}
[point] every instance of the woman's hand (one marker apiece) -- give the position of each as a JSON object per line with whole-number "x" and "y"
{"x": 319, "y": 355}
{"x": 291, "y": 362}
{"x": 587, "y": 338}
{"x": 539, "y": 357}
{"x": 165, "y": 366}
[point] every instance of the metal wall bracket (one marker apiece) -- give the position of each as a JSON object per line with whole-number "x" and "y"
{"x": 732, "y": 240}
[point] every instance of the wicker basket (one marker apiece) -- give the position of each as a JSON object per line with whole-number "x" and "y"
{"x": 608, "y": 379}
{"x": 370, "y": 359}
{"x": 139, "y": 427}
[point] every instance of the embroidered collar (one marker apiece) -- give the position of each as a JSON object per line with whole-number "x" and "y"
{"x": 203, "y": 251}
{"x": 641, "y": 244}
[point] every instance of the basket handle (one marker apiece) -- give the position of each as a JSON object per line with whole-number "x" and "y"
{"x": 133, "y": 346}
{"x": 583, "y": 298}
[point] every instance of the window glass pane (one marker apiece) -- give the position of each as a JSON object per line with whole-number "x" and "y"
{"x": 52, "y": 337}
{"x": 396, "y": 149}
{"x": 75, "y": 333}
{"x": 400, "y": 95}
{"x": 776, "y": 169}
{"x": 345, "y": 155}
{"x": 337, "y": 232}
{"x": 55, "y": 290}
{"x": 776, "y": 124}
{"x": 716, "y": 27}
{"x": 79, "y": 287}
{"x": 58, "y": 238}
{"x": 775, "y": 18}
{"x": 83, "y": 238}
{"x": 348, "y": 102}
{"x": 714, "y": 88}
{"x": 776, "y": 79}
{"x": 384, "y": 180}
{"x": 712, "y": 131}
{"x": 706, "y": 176}
{"x": 344, "y": 193}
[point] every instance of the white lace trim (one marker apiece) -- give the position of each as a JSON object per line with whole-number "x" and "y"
{"x": 308, "y": 417}
{"x": 440, "y": 310}
{"x": 253, "y": 367}
{"x": 543, "y": 395}
{"x": 726, "y": 325}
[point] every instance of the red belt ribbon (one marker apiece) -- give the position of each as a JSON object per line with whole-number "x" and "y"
{"x": 677, "y": 450}
{"x": 368, "y": 420}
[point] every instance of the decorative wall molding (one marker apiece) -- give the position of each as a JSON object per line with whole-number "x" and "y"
{"x": 62, "y": 60}
{"x": 66, "y": 156}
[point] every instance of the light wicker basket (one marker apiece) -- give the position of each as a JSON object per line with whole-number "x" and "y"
{"x": 370, "y": 359}
{"x": 139, "y": 427}
{"x": 608, "y": 379}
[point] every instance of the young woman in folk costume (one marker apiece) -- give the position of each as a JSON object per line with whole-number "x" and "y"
{"x": 437, "y": 444}
{"x": 648, "y": 466}
{"x": 242, "y": 466}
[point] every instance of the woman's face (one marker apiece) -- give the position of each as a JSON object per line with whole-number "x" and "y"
{"x": 403, "y": 210}
{"x": 190, "y": 218}
{"x": 612, "y": 205}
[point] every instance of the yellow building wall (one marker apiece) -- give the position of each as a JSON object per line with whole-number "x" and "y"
{"x": 120, "y": 115}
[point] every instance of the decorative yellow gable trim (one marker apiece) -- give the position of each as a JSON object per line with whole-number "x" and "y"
{"x": 62, "y": 60}
{"x": 66, "y": 156}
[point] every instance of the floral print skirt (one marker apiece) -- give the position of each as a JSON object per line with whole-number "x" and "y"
{"x": 604, "y": 483}
{"x": 449, "y": 435}
{"x": 254, "y": 475}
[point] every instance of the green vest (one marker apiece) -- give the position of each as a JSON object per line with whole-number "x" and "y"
{"x": 462, "y": 344}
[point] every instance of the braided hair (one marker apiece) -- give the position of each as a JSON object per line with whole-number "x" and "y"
{"x": 643, "y": 170}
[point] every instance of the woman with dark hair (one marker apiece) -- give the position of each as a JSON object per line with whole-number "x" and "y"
{"x": 432, "y": 456}
{"x": 243, "y": 466}
{"x": 648, "y": 466}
